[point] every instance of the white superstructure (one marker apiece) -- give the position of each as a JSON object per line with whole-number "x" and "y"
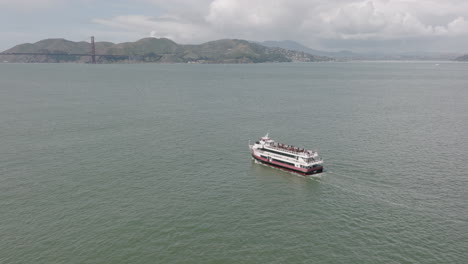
{"x": 287, "y": 157}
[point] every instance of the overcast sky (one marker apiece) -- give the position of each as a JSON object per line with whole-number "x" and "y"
{"x": 369, "y": 25}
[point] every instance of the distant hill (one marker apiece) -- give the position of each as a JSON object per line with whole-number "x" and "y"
{"x": 158, "y": 50}
{"x": 462, "y": 58}
{"x": 349, "y": 55}
{"x": 292, "y": 45}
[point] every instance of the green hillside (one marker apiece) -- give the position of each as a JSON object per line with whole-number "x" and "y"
{"x": 144, "y": 46}
{"x": 157, "y": 50}
{"x": 233, "y": 51}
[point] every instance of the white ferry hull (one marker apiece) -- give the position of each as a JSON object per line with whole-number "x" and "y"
{"x": 286, "y": 167}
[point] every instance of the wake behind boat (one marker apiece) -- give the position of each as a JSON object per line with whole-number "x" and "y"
{"x": 287, "y": 157}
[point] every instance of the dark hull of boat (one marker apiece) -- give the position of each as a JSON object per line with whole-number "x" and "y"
{"x": 287, "y": 168}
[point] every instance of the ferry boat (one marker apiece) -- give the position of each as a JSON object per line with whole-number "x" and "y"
{"x": 286, "y": 157}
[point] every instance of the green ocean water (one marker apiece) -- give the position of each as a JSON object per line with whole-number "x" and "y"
{"x": 150, "y": 164}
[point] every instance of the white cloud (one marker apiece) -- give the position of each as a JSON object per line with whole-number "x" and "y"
{"x": 307, "y": 21}
{"x": 247, "y": 13}
{"x": 458, "y": 26}
{"x": 355, "y": 19}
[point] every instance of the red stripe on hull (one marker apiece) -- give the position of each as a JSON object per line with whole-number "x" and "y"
{"x": 289, "y": 168}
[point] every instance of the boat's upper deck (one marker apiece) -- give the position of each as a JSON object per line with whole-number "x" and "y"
{"x": 270, "y": 144}
{"x": 290, "y": 149}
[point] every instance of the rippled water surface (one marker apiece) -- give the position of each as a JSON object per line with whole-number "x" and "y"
{"x": 150, "y": 164}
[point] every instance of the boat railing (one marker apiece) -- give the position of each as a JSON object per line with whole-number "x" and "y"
{"x": 308, "y": 153}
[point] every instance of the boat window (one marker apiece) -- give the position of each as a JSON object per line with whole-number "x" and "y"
{"x": 284, "y": 162}
{"x": 280, "y": 153}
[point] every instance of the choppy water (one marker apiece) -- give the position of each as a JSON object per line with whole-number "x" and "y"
{"x": 150, "y": 164}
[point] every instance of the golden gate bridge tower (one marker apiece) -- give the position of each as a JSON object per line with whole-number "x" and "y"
{"x": 93, "y": 51}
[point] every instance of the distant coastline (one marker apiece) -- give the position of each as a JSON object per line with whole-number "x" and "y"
{"x": 154, "y": 50}
{"x": 233, "y": 51}
{"x": 462, "y": 58}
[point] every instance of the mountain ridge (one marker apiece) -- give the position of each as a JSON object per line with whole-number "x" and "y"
{"x": 345, "y": 55}
{"x": 159, "y": 50}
